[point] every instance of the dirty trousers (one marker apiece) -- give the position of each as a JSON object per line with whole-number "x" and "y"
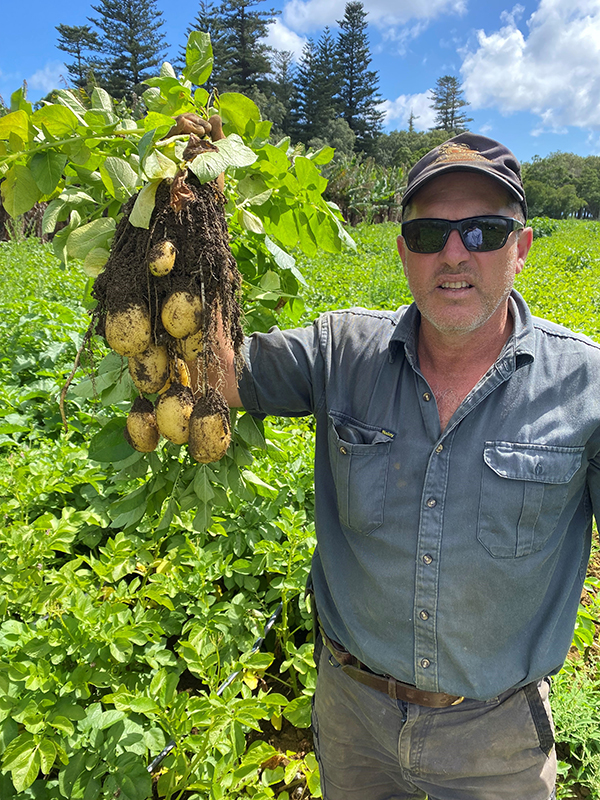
{"x": 371, "y": 747}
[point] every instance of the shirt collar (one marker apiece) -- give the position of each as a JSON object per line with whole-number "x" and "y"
{"x": 519, "y": 349}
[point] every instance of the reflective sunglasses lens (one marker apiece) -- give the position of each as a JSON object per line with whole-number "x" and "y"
{"x": 481, "y": 234}
{"x": 425, "y": 236}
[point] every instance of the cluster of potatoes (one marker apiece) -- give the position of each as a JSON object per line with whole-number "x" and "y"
{"x": 161, "y": 368}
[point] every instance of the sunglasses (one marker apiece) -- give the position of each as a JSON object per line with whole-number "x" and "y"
{"x": 478, "y": 234}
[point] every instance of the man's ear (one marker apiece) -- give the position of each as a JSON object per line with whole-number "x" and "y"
{"x": 400, "y": 243}
{"x": 524, "y": 242}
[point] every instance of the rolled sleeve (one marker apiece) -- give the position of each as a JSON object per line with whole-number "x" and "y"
{"x": 283, "y": 371}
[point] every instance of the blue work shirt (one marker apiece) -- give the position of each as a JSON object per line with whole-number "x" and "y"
{"x": 450, "y": 560}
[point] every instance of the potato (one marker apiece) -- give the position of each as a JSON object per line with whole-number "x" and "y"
{"x": 182, "y": 314}
{"x": 173, "y": 411}
{"x": 162, "y": 258}
{"x": 150, "y": 370}
{"x": 141, "y": 431}
{"x": 129, "y": 332}
{"x": 209, "y": 428}
{"x": 190, "y": 347}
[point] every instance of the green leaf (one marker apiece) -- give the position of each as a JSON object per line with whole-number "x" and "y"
{"x": 281, "y": 224}
{"x": 251, "y": 430}
{"x": 97, "y": 233}
{"x": 236, "y": 111}
{"x": 58, "y": 120}
{"x": 131, "y": 781}
{"x": 20, "y": 192}
{"x": 322, "y": 156}
{"x": 109, "y": 444}
{"x": 154, "y": 121}
{"x": 47, "y": 755}
{"x": 202, "y": 488}
{"x": 157, "y": 165}
{"x": 143, "y": 207}
{"x": 231, "y": 152}
{"x": 262, "y": 488}
{"x": 250, "y": 221}
{"x": 308, "y": 175}
{"x": 70, "y": 101}
{"x": 103, "y": 104}
{"x": 51, "y": 215}
{"x": 16, "y": 123}
{"x": 298, "y": 712}
{"x": 198, "y": 58}
{"x": 95, "y": 261}
{"x": 120, "y": 179}
{"x": 202, "y": 518}
{"x": 47, "y": 169}
{"x": 22, "y": 760}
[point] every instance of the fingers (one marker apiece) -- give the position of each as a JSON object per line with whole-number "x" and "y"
{"x": 192, "y": 123}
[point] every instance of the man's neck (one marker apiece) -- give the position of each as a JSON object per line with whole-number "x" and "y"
{"x": 456, "y": 353}
{"x": 453, "y": 364}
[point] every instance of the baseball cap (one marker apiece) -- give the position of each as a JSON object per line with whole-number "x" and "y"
{"x": 469, "y": 152}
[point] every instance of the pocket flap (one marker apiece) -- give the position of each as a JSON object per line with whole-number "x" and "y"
{"x": 533, "y": 462}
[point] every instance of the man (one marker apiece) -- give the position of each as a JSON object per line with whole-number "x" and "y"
{"x": 456, "y": 471}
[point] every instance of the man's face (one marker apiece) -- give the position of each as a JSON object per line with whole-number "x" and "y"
{"x": 458, "y": 291}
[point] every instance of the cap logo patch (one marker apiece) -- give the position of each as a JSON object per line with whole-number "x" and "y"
{"x": 458, "y": 152}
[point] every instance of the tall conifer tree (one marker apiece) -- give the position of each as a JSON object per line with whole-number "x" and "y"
{"x": 359, "y": 86}
{"x": 131, "y": 41}
{"x": 78, "y": 41}
{"x": 319, "y": 86}
{"x": 246, "y": 57}
{"x": 448, "y": 101}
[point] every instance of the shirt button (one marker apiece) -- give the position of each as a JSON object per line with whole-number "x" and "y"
{"x": 343, "y": 451}
{"x": 439, "y": 448}
{"x": 426, "y": 396}
{"x": 431, "y": 502}
{"x": 425, "y": 663}
{"x": 427, "y": 559}
{"x": 424, "y": 614}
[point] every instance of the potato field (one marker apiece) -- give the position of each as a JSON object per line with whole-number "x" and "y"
{"x": 131, "y": 610}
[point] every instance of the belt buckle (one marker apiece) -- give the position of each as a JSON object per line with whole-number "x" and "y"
{"x": 457, "y": 702}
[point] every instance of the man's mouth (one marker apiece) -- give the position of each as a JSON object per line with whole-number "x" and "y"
{"x": 455, "y": 285}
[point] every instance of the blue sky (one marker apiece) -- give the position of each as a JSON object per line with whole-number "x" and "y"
{"x": 530, "y": 71}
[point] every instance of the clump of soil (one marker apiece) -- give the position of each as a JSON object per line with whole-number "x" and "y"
{"x": 204, "y": 265}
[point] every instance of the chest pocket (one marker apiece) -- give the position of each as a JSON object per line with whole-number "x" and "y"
{"x": 359, "y": 456}
{"x": 524, "y": 489}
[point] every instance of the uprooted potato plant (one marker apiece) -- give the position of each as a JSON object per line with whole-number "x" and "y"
{"x": 168, "y": 298}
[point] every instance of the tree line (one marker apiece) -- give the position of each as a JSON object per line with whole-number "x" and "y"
{"x": 331, "y": 96}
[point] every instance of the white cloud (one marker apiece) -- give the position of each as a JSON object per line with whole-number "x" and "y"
{"x": 310, "y": 15}
{"x": 282, "y": 38}
{"x": 552, "y": 71}
{"x": 51, "y": 76}
{"x": 399, "y": 110}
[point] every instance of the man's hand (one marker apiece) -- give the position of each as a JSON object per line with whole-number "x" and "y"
{"x": 192, "y": 123}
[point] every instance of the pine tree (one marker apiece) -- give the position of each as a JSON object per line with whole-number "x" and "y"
{"x": 447, "y": 100}
{"x": 284, "y": 92}
{"x": 319, "y": 86}
{"x": 245, "y": 57}
{"x": 132, "y": 41}
{"x": 77, "y": 40}
{"x": 359, "y": 93}
{"x": 208, "y": 20}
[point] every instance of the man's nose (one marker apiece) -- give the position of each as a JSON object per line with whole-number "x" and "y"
{"x": 454, "y": 250}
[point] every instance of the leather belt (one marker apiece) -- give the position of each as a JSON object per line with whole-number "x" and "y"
{"x": 383, "y": 683}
